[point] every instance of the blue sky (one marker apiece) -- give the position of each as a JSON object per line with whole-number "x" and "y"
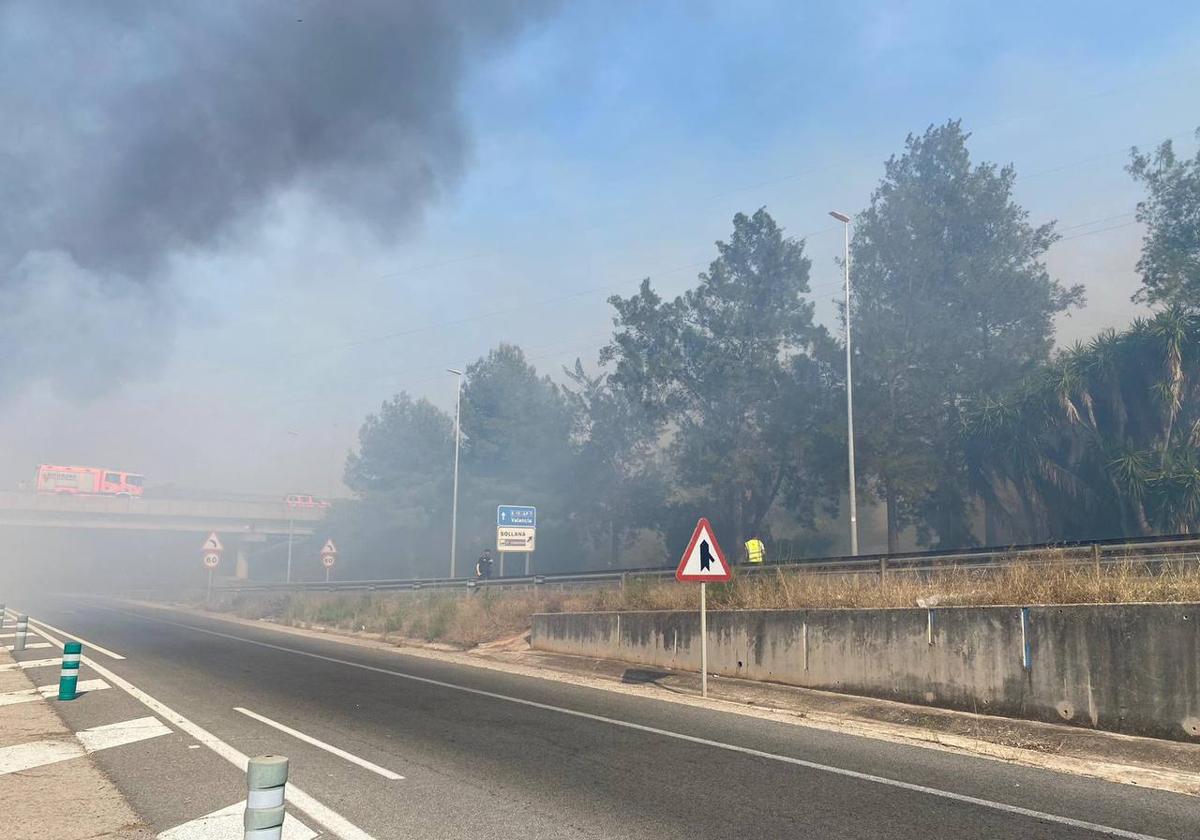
{"x": 615, "y": 141}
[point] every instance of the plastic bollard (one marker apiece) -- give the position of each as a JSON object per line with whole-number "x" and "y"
{"x": 3, "y": 615}
{"x": 22, "y": 632}
{"x": 72, "y": 651}
{"x": 266, "y": 778}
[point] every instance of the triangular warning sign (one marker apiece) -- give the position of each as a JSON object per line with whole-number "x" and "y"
{"x": 213, "y": 543}
{"x": 329, "y": 548}
{"x": 703, "y": 560}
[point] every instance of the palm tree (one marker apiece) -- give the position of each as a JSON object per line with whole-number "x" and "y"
{"x": 1104, "y": 438}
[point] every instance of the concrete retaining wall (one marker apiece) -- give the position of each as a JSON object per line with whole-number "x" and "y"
{"x": 1127, "y": 668}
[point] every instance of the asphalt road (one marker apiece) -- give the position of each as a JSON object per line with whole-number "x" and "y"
{"x": 484, "y": 754}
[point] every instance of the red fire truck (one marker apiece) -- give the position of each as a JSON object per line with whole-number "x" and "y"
{"x": 91, "y": 481}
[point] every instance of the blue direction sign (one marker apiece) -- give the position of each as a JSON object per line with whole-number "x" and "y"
{"x": 518, "y": 516}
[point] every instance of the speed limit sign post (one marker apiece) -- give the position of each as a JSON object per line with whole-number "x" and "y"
{"x": 211, "y": 555}
{"x": 328, "y": 557}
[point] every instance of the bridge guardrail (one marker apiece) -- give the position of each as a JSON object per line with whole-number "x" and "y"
{"x": 1150, "y": 550}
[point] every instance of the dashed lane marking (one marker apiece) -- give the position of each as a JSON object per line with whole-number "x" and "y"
{"x": 989, "y": 804}
{"x": 329, "y": 748}
{"x": 227, "y": 824}
{"x": 321, "y": 813}
{"x": 21, "y": 757}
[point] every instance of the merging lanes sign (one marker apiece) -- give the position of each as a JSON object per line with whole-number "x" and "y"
{"x": 703, "y": 561}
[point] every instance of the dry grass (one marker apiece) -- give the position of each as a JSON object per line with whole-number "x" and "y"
{"x": 470, "y": 619}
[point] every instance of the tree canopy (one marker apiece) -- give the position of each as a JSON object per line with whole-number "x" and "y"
{"x": 951, "y": 302}
{"x": 729, "y": 400}
{"x": 1170, "y": 261}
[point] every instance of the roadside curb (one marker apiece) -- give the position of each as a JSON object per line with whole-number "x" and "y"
{"x": 793, "y": 706}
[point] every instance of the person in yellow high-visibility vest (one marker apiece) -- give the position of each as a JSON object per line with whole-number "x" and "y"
{"x": 756, "y": 552}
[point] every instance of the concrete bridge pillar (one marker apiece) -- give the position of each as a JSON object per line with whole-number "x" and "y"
{"x": 245, "y": 542}
{"x": 241, "y": 569}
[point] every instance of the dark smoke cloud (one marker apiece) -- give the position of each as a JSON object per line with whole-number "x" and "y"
{"x": 135, "y": 130}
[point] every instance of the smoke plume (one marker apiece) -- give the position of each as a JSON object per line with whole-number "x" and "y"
{"x": 137, "y": 130}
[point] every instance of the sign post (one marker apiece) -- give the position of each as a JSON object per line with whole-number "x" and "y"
{"x": 703, "y": 562}
{"x": 211, "y": 552}
{"x": 328, "y": 557}
{"x": 516, "y": 531}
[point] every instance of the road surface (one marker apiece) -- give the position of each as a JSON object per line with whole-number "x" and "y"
{"x": 384, "y": 745}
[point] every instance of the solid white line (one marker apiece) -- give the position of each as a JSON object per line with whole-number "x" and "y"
{"x": 322, "y": 814}
{"x": 226, "y": 824}
{"x": 86, "y": 644}
{"x": 30, "y": 646}
{"x": 329, "y": 748}
{"x": 652, "y": 730}
{"x": 33, "y": 663}
{"x": 20, "y": 757}
{"x": 118, "y": 734}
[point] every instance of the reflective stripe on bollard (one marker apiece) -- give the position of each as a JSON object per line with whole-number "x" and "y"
{"x": 22, "y": 632}
{"x": 72, "y": 651}
{"x": 266, "y": 778}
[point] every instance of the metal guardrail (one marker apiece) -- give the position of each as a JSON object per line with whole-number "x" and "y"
{"x": 1149, "y": 550}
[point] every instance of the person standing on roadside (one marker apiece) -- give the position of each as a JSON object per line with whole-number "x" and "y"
{"x": 483, "y": 566}
{"x": 756, "y": 552}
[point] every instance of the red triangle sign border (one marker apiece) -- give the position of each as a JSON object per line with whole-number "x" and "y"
{"x": 704, "y": 527}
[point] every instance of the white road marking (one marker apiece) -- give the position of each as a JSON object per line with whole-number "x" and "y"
{"x": 666, "y": 733}
{"x": 30, "y": 646}
{"x": 33, "y": 663}
{"x": 86, "y": 644}
{"x": 332, "y": 820}
{"x": 25, "y": 695}
{"x": 329, "y": 748}
{"x": 226, "y": 824}
{"x": 21, "y": 757}
{"x": 125, "y": 732}
{"x": 8, "y": 635}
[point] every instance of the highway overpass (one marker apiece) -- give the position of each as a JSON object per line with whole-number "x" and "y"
{"x": 226, "y": 517}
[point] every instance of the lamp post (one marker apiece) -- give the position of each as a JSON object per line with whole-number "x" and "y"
{"x": 457, "y": 438}
{"x": 291, "y": 515}
{"x": 845, "y": 220}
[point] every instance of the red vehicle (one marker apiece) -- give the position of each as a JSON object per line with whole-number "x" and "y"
{"x": 303, "y": 501}
{"x": 88, "y": 481}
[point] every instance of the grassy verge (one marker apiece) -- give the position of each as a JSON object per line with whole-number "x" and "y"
{"x": 469, "y": 619}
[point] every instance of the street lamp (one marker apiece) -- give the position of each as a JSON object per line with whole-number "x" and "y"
{"x": 457, "y": 437}
{"x": 845, "y": 220}
{"x": 291, "y": 516}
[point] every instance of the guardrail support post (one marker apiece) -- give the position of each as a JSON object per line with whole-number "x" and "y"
{"x": 266, "y": 778}
{"x": 67, "y": 680}
{"x": 1096, "y": 557}
{"x": 883, "y": 570}
{"x": 22, "y": 632}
